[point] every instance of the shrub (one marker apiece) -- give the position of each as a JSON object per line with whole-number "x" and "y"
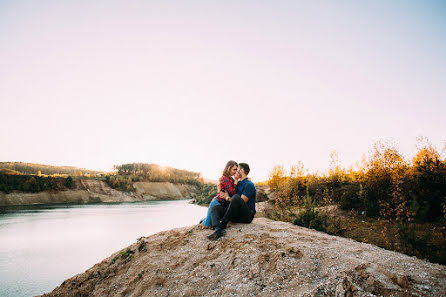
{"x": 69, "y": 182}
{"x": 413, "y": 244}
{"x": 352, "y": 198}
{"x": 206, "y": 192}
{"x": 276, "y": 177}
{"x": 311, "y": 219}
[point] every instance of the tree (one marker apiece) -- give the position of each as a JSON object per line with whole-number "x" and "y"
{"x": 69, "y": 182}
{"x": 336, "y": 172}
{"x": 276, "y": 176}
{"x": 428, "y": 183}
{"x": 297, "y": 171}
{"x": 386, "y": 172}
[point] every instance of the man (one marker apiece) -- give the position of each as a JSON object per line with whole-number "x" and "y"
{"x": 242, "y": 207}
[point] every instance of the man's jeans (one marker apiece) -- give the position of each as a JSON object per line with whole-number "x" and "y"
{"x": 237, "y": 212}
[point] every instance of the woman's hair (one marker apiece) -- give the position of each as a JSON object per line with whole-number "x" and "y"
{"x": 226, "y": 172}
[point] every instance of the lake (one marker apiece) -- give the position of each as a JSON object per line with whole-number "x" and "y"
{"x": 42, "y": 245}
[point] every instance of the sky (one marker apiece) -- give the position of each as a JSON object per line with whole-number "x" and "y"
{"x": 193, "y": 84}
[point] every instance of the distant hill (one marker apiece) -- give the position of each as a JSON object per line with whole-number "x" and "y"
{"x": 32, "y": 168}
{"x": 34, "y": 178}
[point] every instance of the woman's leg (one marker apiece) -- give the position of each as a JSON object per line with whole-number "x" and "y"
{"x": 208, "y": 220}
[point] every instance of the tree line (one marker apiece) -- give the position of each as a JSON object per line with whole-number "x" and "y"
{"x": 31, "y": 168}
{"x": 11, "y": 181}
{"x": 405, "y": 199}
{"x": 127, "y": 174}
{"x": 28, "y": 177}
{"x": 387, "y": 185}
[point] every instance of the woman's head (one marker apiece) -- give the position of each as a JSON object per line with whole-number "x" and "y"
{"x": 230, "y": 168}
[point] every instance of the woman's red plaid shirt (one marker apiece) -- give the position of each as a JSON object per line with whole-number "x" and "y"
{"x": 227, "y": 185}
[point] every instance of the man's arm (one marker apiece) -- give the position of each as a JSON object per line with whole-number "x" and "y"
{"x": 226, "y": 196}
{"x": 248, "y": 191}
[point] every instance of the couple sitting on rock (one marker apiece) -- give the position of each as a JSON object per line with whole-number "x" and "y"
{"x": 235, "y": 202}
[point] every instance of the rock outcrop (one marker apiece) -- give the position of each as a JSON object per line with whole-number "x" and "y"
{"x": 94, "y": 190}
{"x": 261, "y": 194}
{"x": 265, "y": 258}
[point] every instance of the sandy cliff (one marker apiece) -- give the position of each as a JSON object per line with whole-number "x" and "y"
{"x": 92, "y": 190}
{"x": 160, "y": 191}
{"x": 265, "y": 258}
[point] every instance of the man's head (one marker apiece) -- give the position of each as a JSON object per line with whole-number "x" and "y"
{"x": 243, "y": 169}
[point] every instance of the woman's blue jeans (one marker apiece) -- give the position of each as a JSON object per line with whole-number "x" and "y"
{"x": 207, "y": 222}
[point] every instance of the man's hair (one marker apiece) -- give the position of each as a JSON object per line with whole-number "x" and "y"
{"x": 245, "y": 167}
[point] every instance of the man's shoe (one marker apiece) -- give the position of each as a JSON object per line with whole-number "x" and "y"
{"x": 216, "y": 235}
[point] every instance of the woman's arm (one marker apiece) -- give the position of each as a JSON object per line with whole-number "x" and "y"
{"x": 229, "y": 186}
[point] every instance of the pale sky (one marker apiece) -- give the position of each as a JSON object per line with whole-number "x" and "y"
{"x": 193, "y": 84}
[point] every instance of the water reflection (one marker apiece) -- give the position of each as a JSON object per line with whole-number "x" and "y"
{"x": 42, "y": 245}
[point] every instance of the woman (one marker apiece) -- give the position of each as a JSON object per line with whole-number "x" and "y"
{"x": 226, "y": 184}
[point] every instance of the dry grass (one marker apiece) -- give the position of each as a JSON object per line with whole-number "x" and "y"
{"x": 428, "y": 240}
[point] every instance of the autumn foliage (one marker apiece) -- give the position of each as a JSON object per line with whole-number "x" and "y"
{"x": 386, "y": 185}
{"x": 388, "y": 200}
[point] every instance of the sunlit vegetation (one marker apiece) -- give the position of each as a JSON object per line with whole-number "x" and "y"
{"x": 27, "y": 177}
{"x": 31, "y": 168}
{"x": 397, "y": 196}
{"x": 34, "y": 178}
{"x": 127, "y": 174}
{"x": 11, "y": 181}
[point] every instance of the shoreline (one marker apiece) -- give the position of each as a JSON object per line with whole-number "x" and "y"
{"x": 95, "y": 191}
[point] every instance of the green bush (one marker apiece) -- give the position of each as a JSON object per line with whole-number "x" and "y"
{"x": 311, "y": 219}
{"x": 427, "y": 188}
{"x": 352, "y": 198}
{"x": 69, "y": 182}
{"x": 206, "y": 192}
{"x": 413, "y": 244}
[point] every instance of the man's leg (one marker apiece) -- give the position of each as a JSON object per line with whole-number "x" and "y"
{"x": 238, "y": 211}
{"x": 217, "y": 213}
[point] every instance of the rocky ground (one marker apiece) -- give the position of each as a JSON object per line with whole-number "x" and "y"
{"x": 265, "y": 258}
